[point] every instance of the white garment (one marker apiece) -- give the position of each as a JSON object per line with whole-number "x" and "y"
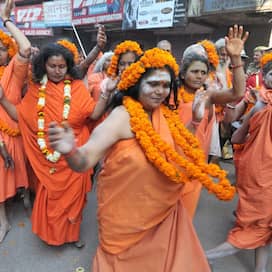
{"x": 215, "y": 149}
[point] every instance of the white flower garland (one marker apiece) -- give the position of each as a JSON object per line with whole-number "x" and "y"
{"x": 55, "y": 155}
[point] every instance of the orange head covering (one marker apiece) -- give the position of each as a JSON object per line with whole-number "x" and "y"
{"x": 211, "y": 52}
{"x": 153, "y": 58}
{"x": 126, "y": 46}
{"x": 9, "y": 43}
{"x": 71, "y": 47}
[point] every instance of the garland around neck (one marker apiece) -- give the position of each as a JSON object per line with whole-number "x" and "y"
{"x": 179, "y": 169}
{"x": 55, "y": 155}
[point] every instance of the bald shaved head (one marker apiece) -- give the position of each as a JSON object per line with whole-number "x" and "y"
{"x": 165, "y": 45}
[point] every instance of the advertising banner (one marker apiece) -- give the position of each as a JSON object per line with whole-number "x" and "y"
{"x": 155, "y": 13}
{"x": 57, "y": 13}
{"x": 96, "y": 11}
{"x": 226, "y": 5}
{"x": 180, "y": 13}
{"x": 30, "y": 19}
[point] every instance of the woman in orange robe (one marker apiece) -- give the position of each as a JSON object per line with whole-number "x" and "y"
{"x": 12, "y": 66}
{"x": 55, "y": 94}
{"x": 196, "y": 104}
{"x": 99, "y": 73}
{"x": 143, "y": 225}
{"x": 253, "y": 228}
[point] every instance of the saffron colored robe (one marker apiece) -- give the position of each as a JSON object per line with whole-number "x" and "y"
{"x": 143, "y": 225}
{"x": 11, "y": 179}
{"x": 94, "y": 81}
{"x": 61, "y": 192}
{"x": 191, "y": 191}
{"x": 253, "y": 227}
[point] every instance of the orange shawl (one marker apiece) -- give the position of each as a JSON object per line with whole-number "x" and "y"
{"x": 191, "y": 191}
{"x": 12, "y": 83}
{"x": 60, "y": 196}
{"x": 254, "y": 185}
{"x": 142, "y": 224}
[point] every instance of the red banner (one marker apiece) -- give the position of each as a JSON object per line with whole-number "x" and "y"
{"x": 30, "y": 19}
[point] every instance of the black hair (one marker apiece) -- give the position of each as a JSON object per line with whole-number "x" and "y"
{"x": 53, "y": 49}
{"x": 186, "y": 63}
{"x": 133, "y": 91}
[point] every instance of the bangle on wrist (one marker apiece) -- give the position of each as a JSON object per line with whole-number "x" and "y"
{"x": 229, "y": 106}
{"x": 232, "y": 66}
{"x": 195, "y": 123}
{"x": 71, "y": 153}
{"x": 23, "y": 56}
{"x": 5, "y": 22}
{"x": 2, "y": 143}
{"x": 104, "y": 96}
{"x": 98, "y": 47}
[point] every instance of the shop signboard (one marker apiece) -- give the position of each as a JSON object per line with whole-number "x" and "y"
{"x": 30, "y": 19}
{"x": 180, "y": 13}
{"x": 96, "y": 11}
{"x": 57, "y": 13}
{"x": 155, "y": 14}
{"x": 211, "y": 6}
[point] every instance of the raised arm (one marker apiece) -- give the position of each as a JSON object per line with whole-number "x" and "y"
{"x": 21, "y": 40}
{"x": 234, "y": 45}
{"x": 101, "y": 41}
{"x": 114, "y": 128}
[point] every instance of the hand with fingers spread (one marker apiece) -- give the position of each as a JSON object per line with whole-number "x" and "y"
{"x": 6, "y": 12}
{"x": 101, "y": 37}
{"x": 235, "y": 40}
{"x": 61, "y": 138}
{"x": 109, "y": 84}
{"x": 199, "y": 105}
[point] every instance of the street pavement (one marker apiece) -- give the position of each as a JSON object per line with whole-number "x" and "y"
{"x": 22, "y": 251}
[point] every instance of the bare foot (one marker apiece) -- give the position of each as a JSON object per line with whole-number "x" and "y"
{"x": 4, "y": 229}
{"x": 222, "y": 250}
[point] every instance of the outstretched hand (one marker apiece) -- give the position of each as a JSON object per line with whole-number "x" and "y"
{"x": 6, "y": 11}
{"x": 236, "y": 40}
{"x": 61, "y": 138}
{"x": 199, "y": 105}
{"x": 101, "y": 37}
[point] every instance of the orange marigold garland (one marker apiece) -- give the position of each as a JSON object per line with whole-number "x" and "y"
{"x": 155, "y": 58}
{"x": 211, "y": 52}
{"x": 265, "y": 59}
{"x": 2, "y": 69}
{"x": 178, "y": 168}
{"x": 13, "y": 132}
{"x": 184, "y": 96}
{"x": 71, "y": 47}
{"x": 126, "y": 46}
{"x": 8, "y": 43}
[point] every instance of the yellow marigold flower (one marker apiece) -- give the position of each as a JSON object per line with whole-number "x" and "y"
{"x": 123, "y": 47}
{"x": 265, "y": 59}
{"x": 211, "y": 52}
{"x": 72, "y": 48}
{"x": 9, "y": 43}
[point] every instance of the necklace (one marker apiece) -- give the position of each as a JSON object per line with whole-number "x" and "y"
{"x": 55, "y": 155}
{"x": 185, "y": 96}
{"x": 179, "y": 169}
{"x": 2, "y": 69}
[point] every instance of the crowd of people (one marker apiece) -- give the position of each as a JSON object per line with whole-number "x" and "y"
{"x": 151, "y": 132}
